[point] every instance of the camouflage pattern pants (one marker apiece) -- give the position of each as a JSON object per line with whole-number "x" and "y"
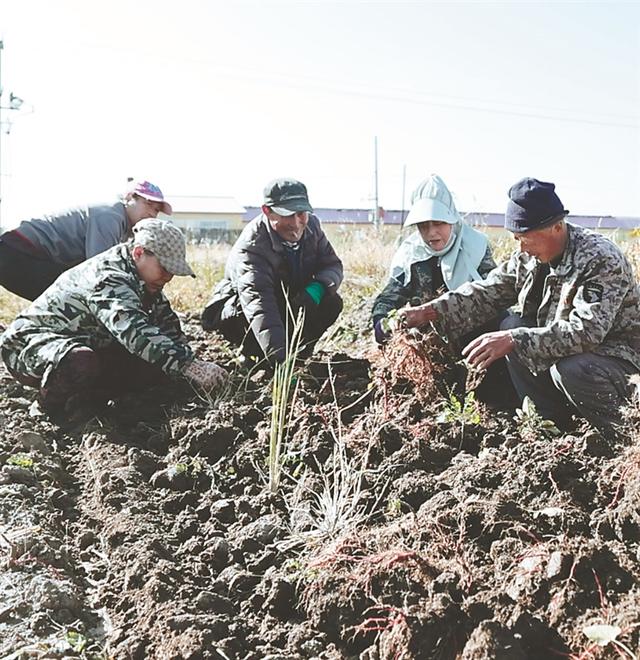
{"x": 88, "y": 377}
{"x": 593, "y": 386}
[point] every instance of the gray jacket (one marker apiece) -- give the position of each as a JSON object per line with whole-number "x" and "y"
{"x": 255, "y": 273}
{"x": 590, "y": 303}
{"x": 74, "y": 235}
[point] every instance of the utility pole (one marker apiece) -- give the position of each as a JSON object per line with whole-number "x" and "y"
{"x": 404, "y": 181}
{"x": 376, "y": 208}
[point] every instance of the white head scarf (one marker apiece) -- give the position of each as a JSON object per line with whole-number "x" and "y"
{"x": 460, "y": 257}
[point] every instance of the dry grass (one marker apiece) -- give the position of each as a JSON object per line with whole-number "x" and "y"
{"x": 188, "y": 294}
{"x": 366, "y": 255}
{"x": 10, "y": 306}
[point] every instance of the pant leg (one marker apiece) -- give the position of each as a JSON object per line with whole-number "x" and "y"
{"x": 122, "y": 372}
{"x": 550, "y": 402}
{"x": 319, "y": 319}
{"x": 235, "y": 329}
{"x": 92, "y": 377}
{"x": 596, "y": 385}
{"x": 496, "y": 388}
{"x": 76, "y": 377}
{"x": 25, "y": 275}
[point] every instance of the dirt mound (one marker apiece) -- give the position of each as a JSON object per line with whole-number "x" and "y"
{"x": 404, "y": 527}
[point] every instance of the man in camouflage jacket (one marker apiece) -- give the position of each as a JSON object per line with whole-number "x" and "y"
{"x": 34, "y": 255}
{"x": 105, "y": 326}
{"x": 283, "y": 250}
{"x": 574, "y": 338}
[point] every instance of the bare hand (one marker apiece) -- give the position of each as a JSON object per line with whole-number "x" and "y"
{"x": 414, "y": 317}
{"x": 486, "y": 349}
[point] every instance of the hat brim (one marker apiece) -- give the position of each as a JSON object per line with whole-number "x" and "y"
{"x": 180, "y": 269}
{"x": 292, "y": 206}
{"x": 517, "y": 228}
{"x": 430, "y": 210}
{"x": 166, "y": 207}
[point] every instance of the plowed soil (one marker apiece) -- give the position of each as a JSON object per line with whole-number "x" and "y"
{"x": 398, "y": 531}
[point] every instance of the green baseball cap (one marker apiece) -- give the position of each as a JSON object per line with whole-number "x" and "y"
{"x": 287, "y": 196}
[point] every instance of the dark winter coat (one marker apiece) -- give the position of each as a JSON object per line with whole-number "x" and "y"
{"x": 257, "y": 269}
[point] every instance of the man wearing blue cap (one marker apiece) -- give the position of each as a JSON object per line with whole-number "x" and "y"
{"x": 281, "y": 262}
{"x": 574, "y": 339}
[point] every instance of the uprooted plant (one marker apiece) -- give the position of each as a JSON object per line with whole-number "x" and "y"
{"x": 417, "y": 358}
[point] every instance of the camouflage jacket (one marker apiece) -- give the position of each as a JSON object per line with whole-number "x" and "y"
{"x": 420, "y": 289}
{"x": 590, "y": 303}
{"x": 100, "y": 302}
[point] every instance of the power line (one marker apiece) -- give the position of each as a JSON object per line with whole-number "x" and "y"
{"x": 346, "y": 88}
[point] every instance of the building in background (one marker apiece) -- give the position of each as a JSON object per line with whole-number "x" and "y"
{"x": 492, "y": 220}
{"x": 208, "y": 218}
{"x": 215, "y": 218}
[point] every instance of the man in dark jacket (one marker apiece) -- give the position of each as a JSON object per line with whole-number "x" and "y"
{"x": 282, "y": 260}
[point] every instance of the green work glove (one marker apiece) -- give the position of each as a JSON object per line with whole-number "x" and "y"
{"x": 315, "y": 291}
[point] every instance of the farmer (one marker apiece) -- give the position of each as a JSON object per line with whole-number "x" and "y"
{"x": 441, "y": 255}
{"x": 105, "y": 327}
{"x": 39, "y": 250}
{"x": 575, "y": 338}
{"x": 282, "y": 258}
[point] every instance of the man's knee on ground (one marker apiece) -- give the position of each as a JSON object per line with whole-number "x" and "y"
{"x": 79, "y": 368}
{"x": 330, "y": 308}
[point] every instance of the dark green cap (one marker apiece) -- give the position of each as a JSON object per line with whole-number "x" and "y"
{"x": 286, "y": 196}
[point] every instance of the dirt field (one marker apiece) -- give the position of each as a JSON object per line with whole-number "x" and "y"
{"x": 398, "y": 530}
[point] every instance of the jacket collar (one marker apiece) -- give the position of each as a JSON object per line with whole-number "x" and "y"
{"x": 130, "y": 265}
{"x": 566, "y": 262}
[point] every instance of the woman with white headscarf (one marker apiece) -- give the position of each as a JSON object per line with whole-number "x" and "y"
{"x": 441, "y": 255}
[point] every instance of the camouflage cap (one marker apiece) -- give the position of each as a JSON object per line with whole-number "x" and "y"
{"x": 287, "y": 196}
{"x": 166, "y": 242}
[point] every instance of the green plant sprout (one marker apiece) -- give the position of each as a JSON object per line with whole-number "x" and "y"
{"x": 21, "y": 460}
{"x": 531, "y": 423}
{"x": 391, "y": 321}
{"x": 76, "y": 640}
{"x": 461, "y": 411}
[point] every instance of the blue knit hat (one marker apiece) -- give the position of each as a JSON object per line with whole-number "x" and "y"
{"x": 532, "y": 204}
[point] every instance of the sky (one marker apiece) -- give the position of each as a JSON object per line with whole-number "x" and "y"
{"x": 205, "y": 97}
